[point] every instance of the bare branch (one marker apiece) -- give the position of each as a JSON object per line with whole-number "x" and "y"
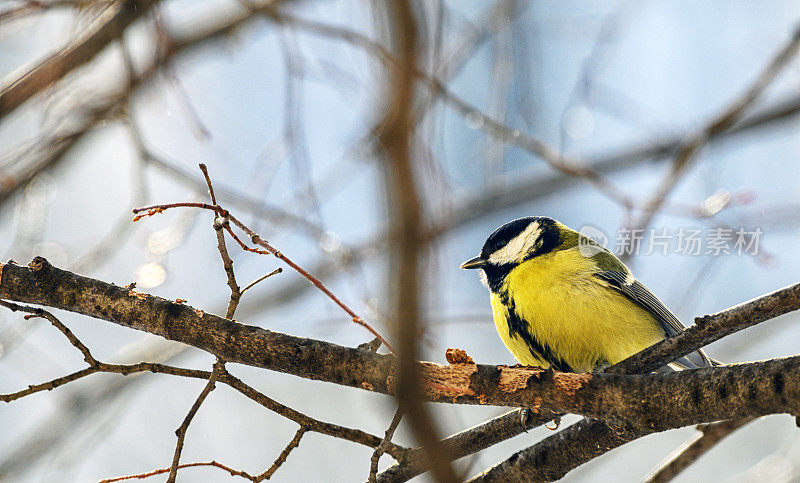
{"x": 546, "y": 391}
{"x": 311, "y": 424}
{"x": 465, "y": 443}
{"x": 723, "y": 121}
{"x": 256, "y": 239}
{"x": 50, "y": 385}
{"x": 108, "y": 26}
{"x": 707, "y": 438}
{"x": 227, "y": 262}
{"x": 548, "y": 461}
{"x": 261, "y": 279}
{"x": 294, "y": 443}
{"x": 181, "y": 431}
{"x": 87, "y": 355}
{"x": 376, "y": 455}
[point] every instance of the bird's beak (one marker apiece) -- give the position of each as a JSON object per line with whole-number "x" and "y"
{"x": 476, "y": 262}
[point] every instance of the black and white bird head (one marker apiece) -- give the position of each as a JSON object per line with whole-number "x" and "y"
{"x": 513, "y": 243}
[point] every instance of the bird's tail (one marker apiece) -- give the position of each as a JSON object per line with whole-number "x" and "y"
{"x": 694, "y": 360}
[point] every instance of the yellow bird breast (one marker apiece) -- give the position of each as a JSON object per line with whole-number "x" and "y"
{"x": 571, "y": 314}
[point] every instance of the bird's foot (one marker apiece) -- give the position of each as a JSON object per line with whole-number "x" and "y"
{"x": 524, "y": 415}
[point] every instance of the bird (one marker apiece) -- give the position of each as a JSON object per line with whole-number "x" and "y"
{"x": 562, "y": 301}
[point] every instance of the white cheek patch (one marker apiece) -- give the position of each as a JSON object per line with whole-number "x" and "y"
{"x": 518, "y": 247}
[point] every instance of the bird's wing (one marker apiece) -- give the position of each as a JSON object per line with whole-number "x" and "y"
{"x": 619, "y": 277}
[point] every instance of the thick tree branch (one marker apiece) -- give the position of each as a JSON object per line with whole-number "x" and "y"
{"x": 44, "y": 284}
{"x": 723, "y": 391}
{"x": 549, "y": 461}
{"x": 708, "y": 329}
{"x": 596, "y": 437}
{"x": 642, "y": 404}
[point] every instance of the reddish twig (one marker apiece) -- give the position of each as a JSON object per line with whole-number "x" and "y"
{"x": 256, "y": 239}
{"x": 254, "y": 478}
{"x": 161, "y": 471}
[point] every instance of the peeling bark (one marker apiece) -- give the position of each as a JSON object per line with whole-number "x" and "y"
{"x": 651, "y": 402}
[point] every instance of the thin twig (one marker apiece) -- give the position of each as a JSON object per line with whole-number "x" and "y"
{"x": 227, "y": 262}
{"x": 185, "y": 465}
{"x": 223, "y": 376}
{"x": 213, "y": 196}
{"x": 376, "y": 455}
{"x": 256, "y": 239}
{"x": 262, "y": 278}
{"x": 37, "y": 312}
{"x": 311, "y": 424}
{"x": 684, "y": 456}
{"x": 294, "y": 443}
{"x": 181, "y": 431}
{"x": 48, "y": 386}
{"x": 723, "y": 121}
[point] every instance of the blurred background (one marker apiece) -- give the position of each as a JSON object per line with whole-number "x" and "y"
{"x": 280, "y": 104}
